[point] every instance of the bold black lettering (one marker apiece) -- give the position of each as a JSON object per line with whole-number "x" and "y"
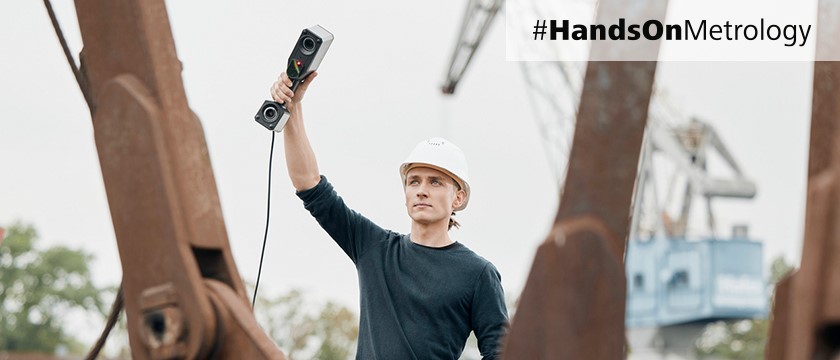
{"x": 619, "y": 28}
{"x": 634, "y": 32}
{"x": 579, "y": 33}
{"x": 671, "y": 30}
{"x": 656, "y": 25}
{"x": 597, "y": 32}
{"x": 563, "y": 30}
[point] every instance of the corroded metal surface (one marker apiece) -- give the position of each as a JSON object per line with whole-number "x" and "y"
{"x": 573, "y": 304}
{"x": 805, "y": 316}
{"x": 805, "y": 322}
{"x": 161, "y": 189}
{"x": 775, "y": 348}
{"x": 574, "y": 300}
{"x": 806, "y": 312}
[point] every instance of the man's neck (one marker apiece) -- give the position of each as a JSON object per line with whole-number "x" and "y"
{"x": 431, "y": 235}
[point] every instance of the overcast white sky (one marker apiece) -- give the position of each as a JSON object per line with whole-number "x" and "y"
{"x": 376, "y": 97}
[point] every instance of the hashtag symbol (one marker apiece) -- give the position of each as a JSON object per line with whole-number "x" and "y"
{"x": 539, "y": 30}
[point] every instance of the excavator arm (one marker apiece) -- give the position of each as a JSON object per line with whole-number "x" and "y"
{"x": 183, "y": 294}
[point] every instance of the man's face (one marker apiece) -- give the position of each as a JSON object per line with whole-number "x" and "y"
{"x": 430, "y": 195}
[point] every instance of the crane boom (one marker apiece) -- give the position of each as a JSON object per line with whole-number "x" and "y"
{"x": 478, "y": 16}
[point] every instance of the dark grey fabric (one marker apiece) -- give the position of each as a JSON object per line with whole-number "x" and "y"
{"x": 417, "y": 302}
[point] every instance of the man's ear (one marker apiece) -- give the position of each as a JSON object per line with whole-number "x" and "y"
{"x": 460, "y": 196}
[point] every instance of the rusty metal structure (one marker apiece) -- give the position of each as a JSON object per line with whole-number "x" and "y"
{"x": 183, "y": 294}
{"x": 572, "y": 306}
{"x": 806, "y": 310}
{"x": 568, "y": 308}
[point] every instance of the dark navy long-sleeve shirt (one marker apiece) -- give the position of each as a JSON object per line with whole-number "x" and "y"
{"x": 417, "y": 302}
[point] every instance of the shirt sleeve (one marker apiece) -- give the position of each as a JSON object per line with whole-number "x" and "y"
{"x": 489, "y": 318}
{"x": 353, "y": 232}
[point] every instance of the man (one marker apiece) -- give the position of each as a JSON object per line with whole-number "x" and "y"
{"x": 421, "y": 293}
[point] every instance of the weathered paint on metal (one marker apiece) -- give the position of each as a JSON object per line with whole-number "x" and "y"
{"x": 806, "y": 310}
{"x": 573, "y": 304}
{"x": 811, "y": 301}
{"x": 161, "y": 190}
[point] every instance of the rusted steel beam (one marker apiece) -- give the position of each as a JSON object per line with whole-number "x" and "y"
{"x": 604, "y": 159}
{"x": 806, "y": 316}
{"x": 183, "y": 294}
{"x": 573, "y": 304}
{"x": 779, "y": 318}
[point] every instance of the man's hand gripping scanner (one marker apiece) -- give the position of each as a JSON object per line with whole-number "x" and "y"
{"x": 310, "y": 49}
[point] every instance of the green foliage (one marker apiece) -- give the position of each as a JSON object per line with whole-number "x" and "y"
{"x": 778, "y": 269}
{"x": 744, "y": 339}
{"x": 37, "y": 289}
{"x": 338, "y": 330}
{"x": 307, "y": 331}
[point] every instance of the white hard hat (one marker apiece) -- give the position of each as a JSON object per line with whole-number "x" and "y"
{"x": 442, "y": 155}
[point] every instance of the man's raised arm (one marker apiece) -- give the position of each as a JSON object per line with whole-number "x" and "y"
{"x": 300, "y": 159}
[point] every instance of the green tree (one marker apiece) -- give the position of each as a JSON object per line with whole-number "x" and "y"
{"x": 744, "y": 339}
{"x": 305, "y": 330}
{"x": 286, "y": 321}
{"x": 336, "y": 328}
{"x": 38, "y": 287}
